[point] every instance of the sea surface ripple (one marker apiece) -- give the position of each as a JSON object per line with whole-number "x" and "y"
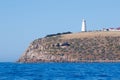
{"x": 59, "y": 71}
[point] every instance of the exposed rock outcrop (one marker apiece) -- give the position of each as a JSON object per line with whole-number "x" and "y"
{"x": 76, "y": 47}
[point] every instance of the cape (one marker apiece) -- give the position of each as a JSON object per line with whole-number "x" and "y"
{"x": 75, "y": 47}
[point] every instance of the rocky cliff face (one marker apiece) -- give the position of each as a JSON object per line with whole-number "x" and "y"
{"x": 78, "y": 47}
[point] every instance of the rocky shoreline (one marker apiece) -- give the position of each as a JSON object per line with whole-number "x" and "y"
{"x": 87, "y": 61}
{"x": 76, "y": 47}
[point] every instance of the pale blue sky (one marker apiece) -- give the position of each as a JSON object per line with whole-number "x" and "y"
{"x": 22, "y": 21}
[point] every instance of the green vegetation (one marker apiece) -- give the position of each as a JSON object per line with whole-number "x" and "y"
{"x": 51, "y": 35}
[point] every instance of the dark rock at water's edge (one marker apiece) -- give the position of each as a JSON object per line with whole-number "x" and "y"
{"x": 76, "y": 47}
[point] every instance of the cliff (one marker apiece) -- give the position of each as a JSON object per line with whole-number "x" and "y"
{"x": 75, "y": 47}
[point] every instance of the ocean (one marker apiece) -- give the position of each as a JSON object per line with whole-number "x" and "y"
{"x": 59, "y": 71}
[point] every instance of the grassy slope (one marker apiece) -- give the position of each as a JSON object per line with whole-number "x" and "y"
{"x": 91, "y": 34}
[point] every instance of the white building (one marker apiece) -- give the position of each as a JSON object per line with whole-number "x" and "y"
{"x": 112, "y": 29}
{"x": 83, "y": 28}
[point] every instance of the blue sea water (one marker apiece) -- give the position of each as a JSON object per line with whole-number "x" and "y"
{"x": 60, "y": 71}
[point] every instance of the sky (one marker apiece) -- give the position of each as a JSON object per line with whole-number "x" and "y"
{"x": 22, "y": 21}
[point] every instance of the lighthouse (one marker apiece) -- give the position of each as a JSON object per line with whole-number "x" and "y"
{"x": 83, "y": 29}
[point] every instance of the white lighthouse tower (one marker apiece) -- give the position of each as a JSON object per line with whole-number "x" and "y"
{"x": 83, "y": 29}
